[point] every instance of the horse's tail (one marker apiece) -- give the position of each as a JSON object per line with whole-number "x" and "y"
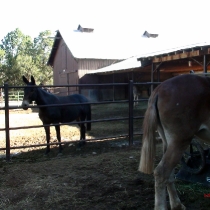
{"x": 149, "y": 141}
{"x": 89, "y": 117}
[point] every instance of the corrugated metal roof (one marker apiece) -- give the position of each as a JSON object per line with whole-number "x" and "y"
{"x": 129, "y": 63}
{"x": 90, "y": 45}
{"x": 125, "y": 44}
{"x": 174, "y": 49}
{"x": 132, "y": 63}
{"x": 104, "y": 45}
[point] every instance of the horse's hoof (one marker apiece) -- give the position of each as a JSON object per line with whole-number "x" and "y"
{"x": 180, "y": 207}
{"x": 47, "y": 151}
{"x": 81, "y": 144}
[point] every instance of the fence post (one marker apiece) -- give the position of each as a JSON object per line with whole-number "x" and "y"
{"x": 7, "y": 134}
{"x": 130, "y": 112}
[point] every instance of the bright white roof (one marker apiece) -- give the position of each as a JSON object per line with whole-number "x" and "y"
{"x": 104, "y": 45}
{"x": 123, "y": 44}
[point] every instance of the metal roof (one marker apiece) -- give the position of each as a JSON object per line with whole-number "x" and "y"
{"x": 129, "y": 63}
{"x": 174, "y": 49}
{"x": 101, "y": 45}
{"x": 123, "y": 45}
{"x": 136, "y": 61}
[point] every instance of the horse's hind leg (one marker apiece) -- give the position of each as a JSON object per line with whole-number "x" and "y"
{"x": 57, "y": 128}
{"x": 163, "y": 178}
{"x": 82, "y": 134}
{"x": 47, "y": 131}
{"x": 174, "y": 199}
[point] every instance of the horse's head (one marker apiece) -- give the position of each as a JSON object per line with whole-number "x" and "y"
{"x": 29, "y": 92}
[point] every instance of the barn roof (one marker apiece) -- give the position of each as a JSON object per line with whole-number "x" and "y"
{"x": 142, "y": 59}
{"x": 185, "y": 48}
{"x": 100, "y": 44}
{"x": 130, "y": 63}
{"x": 122, "y": 44}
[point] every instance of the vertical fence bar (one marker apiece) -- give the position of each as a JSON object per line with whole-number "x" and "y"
{"x": 130, "y": 112}
{"x": 6, "y": 95}
{"x": 204, "y": 64}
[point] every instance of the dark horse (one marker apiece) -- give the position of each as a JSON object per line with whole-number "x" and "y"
{"x": 178, "y": 109}
{"x": 57, "y": 114}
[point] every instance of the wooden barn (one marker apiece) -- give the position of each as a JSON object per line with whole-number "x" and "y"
{"x": 87, "y": 57}
{"x": 157, "y": 66}
{"x": 77, "y": 52}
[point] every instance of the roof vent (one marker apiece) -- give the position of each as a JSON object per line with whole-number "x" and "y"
{"x": 86, "y": 30}
{"x": 150, "y": 35}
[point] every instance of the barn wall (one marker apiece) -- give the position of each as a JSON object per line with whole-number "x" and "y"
{"x": 85, "y": 65}
{"x": 65, "y": 70}
{"x": 69, "y": 70}
{"x": 121, "y": 92}
{"x": 114, "y": 92}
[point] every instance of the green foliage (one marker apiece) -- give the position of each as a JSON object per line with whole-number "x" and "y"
{"x": 19, "y": 55}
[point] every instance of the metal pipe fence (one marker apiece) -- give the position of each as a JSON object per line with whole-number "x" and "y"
{"x": 130, "y": 116}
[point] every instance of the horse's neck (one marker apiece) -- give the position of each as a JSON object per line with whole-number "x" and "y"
{"x": 43, "y": 97}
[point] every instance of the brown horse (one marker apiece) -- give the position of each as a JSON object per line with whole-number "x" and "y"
{"x": 178, "y": 109}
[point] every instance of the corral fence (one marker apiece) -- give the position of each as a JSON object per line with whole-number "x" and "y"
{"x": 7, "y": 98}
{"x": 15, "y": 98}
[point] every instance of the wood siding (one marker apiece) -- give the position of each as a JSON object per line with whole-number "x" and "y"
{"x": 84, "y": 65}
{"x": 72, "y": 71}
{"x": 65, "y": 70}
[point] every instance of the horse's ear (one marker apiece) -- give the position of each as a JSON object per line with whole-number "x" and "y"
{"x": 25, "y": 80}
{"x": 33, "y": 80}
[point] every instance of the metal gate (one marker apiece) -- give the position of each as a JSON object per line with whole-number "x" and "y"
{"x": 130, "y": 116}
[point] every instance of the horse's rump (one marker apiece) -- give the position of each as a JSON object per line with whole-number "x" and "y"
{"x": 178, "y": 108}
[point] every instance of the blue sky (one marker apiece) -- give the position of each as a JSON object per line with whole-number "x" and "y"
{"x": 170, "y": 18}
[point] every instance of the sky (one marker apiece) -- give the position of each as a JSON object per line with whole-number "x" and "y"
{"x": 180, "y": 18}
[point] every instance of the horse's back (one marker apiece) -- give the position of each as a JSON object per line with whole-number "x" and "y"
{"x": 73, "y": 112}
{"x": 184, "y": 92}
{"x": 78, "y": 98}
{"x": 65, "y": 113}
{"x": 183, "y": 104}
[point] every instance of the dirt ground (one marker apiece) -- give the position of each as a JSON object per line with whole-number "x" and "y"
{"x": 101, "y": 175}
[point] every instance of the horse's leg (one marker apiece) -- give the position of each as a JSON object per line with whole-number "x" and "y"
{"x": 47, "y": 131}
{"x": 82, "y": 134}
{"x": 162, "y": 136}
{"x": 82, "y": 130}
{"x": 162, "y": 175}
{"x": 174, "y": 199}
{"x": 57, "y": 128}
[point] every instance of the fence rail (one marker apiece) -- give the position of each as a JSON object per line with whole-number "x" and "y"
{"x": 130, "y": 117}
